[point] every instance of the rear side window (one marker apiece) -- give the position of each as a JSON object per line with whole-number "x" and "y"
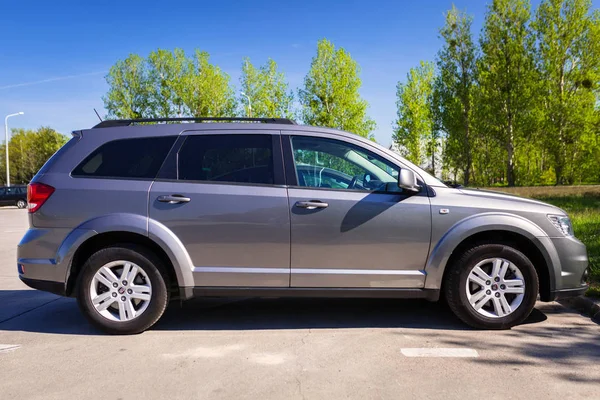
{"x": 127, "y": 158}
{"x": 48, "y": 164}
{"x": 227, "y": 158}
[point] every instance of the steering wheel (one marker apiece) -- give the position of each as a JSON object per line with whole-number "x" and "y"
{"x": 352, "y": 183}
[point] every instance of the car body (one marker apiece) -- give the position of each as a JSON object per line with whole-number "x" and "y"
{"x": 228, "y": 209}
{"x": 13, "y": 196}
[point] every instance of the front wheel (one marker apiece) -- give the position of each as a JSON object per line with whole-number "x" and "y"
{"x": 492, "y": 286}
{"x": 122, "y": 289}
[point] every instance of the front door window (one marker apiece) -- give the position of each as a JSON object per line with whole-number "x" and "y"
{"x": 333, "y": 164}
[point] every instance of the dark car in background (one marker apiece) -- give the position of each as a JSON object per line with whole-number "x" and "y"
{"x": 13, "y": 196}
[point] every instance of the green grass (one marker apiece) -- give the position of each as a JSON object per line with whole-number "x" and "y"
{"x": 582, "y": 203}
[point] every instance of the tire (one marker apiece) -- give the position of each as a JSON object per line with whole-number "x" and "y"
{"x": 21, "y": 203}
{"x": 114, "y": 315}
{"x": 486, "y": 303}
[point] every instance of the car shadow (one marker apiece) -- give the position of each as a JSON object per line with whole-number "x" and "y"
{"x": 56, "y": 315}
{"x": 304, "y": 313}
{"x": 368, "y": 208}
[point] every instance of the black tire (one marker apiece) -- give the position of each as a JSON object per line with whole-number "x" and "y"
{"x": 155, "y": 272}
{"x": 21, "y": 203}
{"x": 455, "y": 286}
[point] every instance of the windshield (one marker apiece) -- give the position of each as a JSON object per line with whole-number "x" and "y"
{"x": 422, "y": 172}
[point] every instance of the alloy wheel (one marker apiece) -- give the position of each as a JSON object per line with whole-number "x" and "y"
{"x": 120, "y": 291}
{"x": 495, "y": 287}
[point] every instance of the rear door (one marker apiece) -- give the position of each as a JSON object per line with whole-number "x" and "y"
{"x": 233, "y": 217}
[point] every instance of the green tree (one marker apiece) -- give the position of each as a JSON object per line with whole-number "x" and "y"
{"x": 167, "y": 72}
{"x": 168, "y": 84}
{"x": 415, "y": 131}
{"x": 129, "y": 93}
{"x": 28, "y": 150}
{"x": 267, "y": 89}
{"x": 330, "y": 96}
{"x": 568, "y": 52}
{"x": 454, "y": 91}
{"x": 208, "y": 91}
{"x": 507, "y": 77}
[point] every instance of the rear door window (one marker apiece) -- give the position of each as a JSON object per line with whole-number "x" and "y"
{"x": 227, "y": 158}
{"x": 138, "y": 158}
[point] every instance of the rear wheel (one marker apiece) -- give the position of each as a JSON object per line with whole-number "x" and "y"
{"x": 492, "y": 287}
{"x": 122, "y": 289}
{"x": 21, "y": 203}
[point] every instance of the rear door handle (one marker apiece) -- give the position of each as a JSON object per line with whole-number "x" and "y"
{"x": 174, "y": 199}
{"x": 311, "y": 205}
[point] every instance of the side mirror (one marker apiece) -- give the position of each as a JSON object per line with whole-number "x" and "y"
{"x": 407, "y": 180}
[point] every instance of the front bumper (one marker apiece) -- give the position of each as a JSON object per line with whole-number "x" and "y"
{"x": 566, "y": 293}
{"x": 570, "y": 279}
{"x": 573, "y": 262}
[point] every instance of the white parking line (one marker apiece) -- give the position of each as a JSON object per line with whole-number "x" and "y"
{"x": 439, "y": 352}
{"x": 8, "y": 347}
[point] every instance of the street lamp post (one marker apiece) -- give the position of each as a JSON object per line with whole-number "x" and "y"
{"x": 249, "y": 104}
{"x": 6, "y": 133}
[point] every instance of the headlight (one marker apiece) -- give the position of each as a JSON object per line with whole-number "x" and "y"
{"x": 562, "y": 223}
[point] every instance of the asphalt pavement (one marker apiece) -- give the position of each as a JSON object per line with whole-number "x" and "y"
{"x": 285, "y": 349}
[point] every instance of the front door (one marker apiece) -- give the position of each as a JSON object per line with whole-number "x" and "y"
{"x": 352, "y": 227}
{"x": 230, "y": 208}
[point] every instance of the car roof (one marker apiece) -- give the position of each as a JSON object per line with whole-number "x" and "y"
{"x": 162, "y": 129}
{"x": 127, "y": 122}
{"x": 133, "y": 131}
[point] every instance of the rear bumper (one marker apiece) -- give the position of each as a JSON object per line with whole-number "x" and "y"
{"x": 47, "y": 286}
{"x": 44, "y": 255}
{"x": 37, "y": 254}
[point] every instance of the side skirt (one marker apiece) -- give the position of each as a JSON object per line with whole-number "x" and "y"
{"x": 199, "y": 291}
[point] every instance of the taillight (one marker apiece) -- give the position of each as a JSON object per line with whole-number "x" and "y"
{"x": 37, "y": 194}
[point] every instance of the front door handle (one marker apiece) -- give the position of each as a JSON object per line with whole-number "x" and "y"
{"x": 311, "y": 205}
{"x": 174, "y": 199}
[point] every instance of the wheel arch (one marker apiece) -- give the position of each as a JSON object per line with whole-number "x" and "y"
{"x": 125, "y": 228}
{"x": 507, "y": 229}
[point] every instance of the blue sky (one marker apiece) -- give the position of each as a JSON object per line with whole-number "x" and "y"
{"x": 54, "y": 54}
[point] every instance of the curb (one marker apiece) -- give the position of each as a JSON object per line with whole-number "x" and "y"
{"x": 585, "y": 305}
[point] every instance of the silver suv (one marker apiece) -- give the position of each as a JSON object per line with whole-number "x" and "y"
{"x": 131, "y": 214}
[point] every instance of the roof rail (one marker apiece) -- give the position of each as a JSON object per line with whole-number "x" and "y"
{"x": 109, "y": 123}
